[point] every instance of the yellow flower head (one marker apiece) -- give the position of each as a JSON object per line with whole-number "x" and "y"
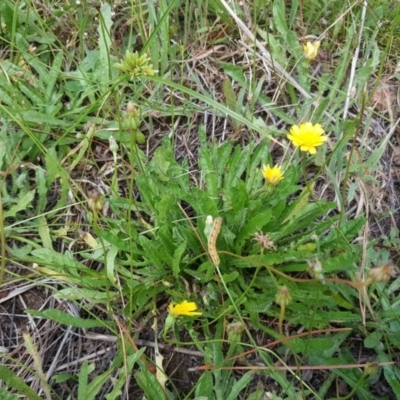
{"x": 185, "y": 308}
{"x": 307, "y": 136}
{"x": 272, "y": 175}
{"x": 311, "y": 50}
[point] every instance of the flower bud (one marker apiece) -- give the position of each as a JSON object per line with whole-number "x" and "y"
{"x": 235, "y": 330}
{"x": 113, "y": 145}
{"x": 315, "y": 268}
{"x": 283, "y": 297}
{"x": 132, "y": 117}
{"x": 95, "y": 201}
{"x": 311, "y": 50}
{"x": 370, "y": 368}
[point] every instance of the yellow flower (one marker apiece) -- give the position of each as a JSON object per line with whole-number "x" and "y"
{"x": 311, "y": 50}
{"x": 307, "y": 136}
{"x": 185, "y": 308}
{"x": 272, "y": 174}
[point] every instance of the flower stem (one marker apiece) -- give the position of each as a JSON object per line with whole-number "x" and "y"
{"x": 281, "y": 317}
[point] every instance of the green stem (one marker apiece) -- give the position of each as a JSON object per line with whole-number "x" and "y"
{"x": 353, "y": 391}
{"x": 281, "y": 317}
{"x": 3, "y": 242}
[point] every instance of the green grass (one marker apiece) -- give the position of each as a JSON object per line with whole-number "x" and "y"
{"x": 109, "y": 170}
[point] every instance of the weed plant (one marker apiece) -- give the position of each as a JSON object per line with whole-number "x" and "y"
{"x": 196, "y": 195}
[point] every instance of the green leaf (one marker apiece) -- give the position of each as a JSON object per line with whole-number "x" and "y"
{"x": 253, "y": 226}
{"x": 229, "y": 93}
{"x": 238, "y": 199}
{"x": 342, "y": 262}
{"x": 279, "y": 17}
{"x": 259, "y": 156}
{"x": 42, "y": 190}
{"x": 149, "y": 385}
{"x": 112, "y": 238}
{"x": 37, "y": 117}
{"x": 17, "y": 383}
{"x": 215, "y": 104}
{"x": 162, "y": 160}
{"x": 242, "y": 383}
{"x": 53, "y": 74}
{"x": 179, "y": 251}
{"x": 306, "y": 219}
{"x": 164, "y": 207}
{"x": 110, "y": 263}
{"x": 325, "y": 346}
{"x": 258, "y": 394}
{"x": 9, "y": 15}
{"x": 6, "y": 395}
{"x": 392, "y": 375}
{"x": 104, "y": 42}
{"x": 52, "y": 257}
{"x": 373, "y": 339}
{"x": 235, "y": 72}
{"x": 124, "y": 373}
{"x": 91, "y": 295}
{"x": 65, "y": 319}
{"x": 62, "y": 377}
{"x": 83, "y": 146}
{"x": 44, "y": 233}
{"x": 231, "y": 277}
{"x": 208, "y": 171}
{"x": 237, "y": 165}
{"x": 205, "y": 385}
{"x": 300, "y": 203}
{"x": 151, "y": 253}
{"x": 96, "y": 384}
{"x": 24, "y": 202}
{"x": 341, "y": 317}
{"x": 350, "y": 376}
{"x": 83, "y": 376}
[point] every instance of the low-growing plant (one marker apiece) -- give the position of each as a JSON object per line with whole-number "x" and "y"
{"x": 237, "y": 256}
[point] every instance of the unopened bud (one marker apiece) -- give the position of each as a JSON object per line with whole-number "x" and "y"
{"x": 113, "y": 145}
{"x": 132, "y": 117}
{"x": 315, "y": 268}
{"x": 235, "y": 330}
{"x": 95, "y": 201}
{"x": 131, "y": 109}
{"x": 283, "y": 297}
{"x": 370, "y": 368}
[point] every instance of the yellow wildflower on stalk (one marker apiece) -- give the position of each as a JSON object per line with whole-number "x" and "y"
{"x": 307, "y": 136}
{"x": 187, "y": 308}
{"x": 272, "y": 175}
{"x": 311, "y": 50}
